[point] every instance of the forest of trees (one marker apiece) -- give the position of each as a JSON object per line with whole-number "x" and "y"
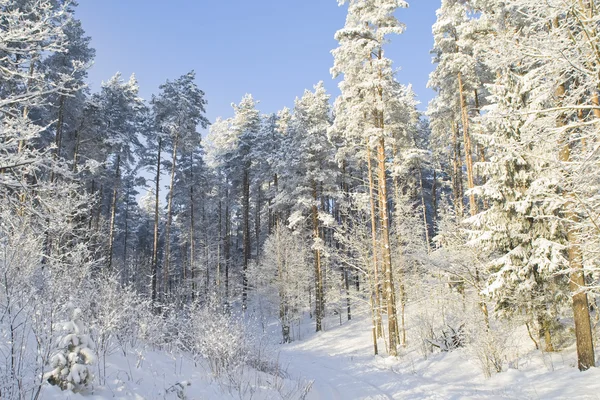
{"x": 119, "y": 214}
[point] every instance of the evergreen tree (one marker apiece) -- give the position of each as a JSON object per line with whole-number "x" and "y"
{"x": 363, "y": 109}
{"x": 234, "y": 140}
{"x": 311, "y": 179}
{"x": 73, "y": 357}
{"x": 179, "y": 109}
{"x": 120, "y": 112}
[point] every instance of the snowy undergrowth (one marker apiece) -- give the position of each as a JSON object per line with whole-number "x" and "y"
{"x": 109, "y": 342}
{"x": 205, "y": 354}
{"x": 151, "y": 374}
{"x": 337, "y": 364}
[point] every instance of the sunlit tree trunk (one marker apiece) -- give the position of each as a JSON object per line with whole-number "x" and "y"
{"x": 113, "y": 212}
{"x": 257, "y": 220}
{"x": 468, "y": 146}
{"x": 402, "y": 289}
{"x": 376, "y": 296}
{"x": 319, "y": 297}
{"x": 227, "y": 245}
{"x": 126, "y": 234}
{"x": 192, "y": 233}
{"x": 577, "y": 285}
{"x": 424, "y": 209}
{"x": 480, "y": 148}
{"x": 219, "y": 249}
{"x": 387, "y": 256}
{"x": 166, "y": 270}
{"x": 156, "y": 222}
{"x": 457, "y": 177}
{"x": 246, "y": 234}
{"x": 434, "y": 202}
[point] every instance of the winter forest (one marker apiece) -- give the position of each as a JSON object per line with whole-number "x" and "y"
{"x": 349, "y": 247}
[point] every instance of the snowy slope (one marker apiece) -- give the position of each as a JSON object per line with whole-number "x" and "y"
{"x": 341, "y": 364}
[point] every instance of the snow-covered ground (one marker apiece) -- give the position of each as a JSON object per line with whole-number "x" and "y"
{"x": 341, "y": 364}
{"x": 338, "y": 364}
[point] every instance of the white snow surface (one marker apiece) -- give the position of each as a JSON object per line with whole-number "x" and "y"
{"x": 340, "y": 364}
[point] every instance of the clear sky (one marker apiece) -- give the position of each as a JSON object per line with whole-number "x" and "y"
{"x": 273, "y": 49}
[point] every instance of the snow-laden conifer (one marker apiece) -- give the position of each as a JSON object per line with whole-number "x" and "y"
{"x": 72, "y": 361}
{"x": 363, "y": 111}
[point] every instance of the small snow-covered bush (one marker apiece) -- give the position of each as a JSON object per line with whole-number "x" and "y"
{"x": 116, "y": 311}
{"x": 220, "y": 339}
{"x": 72, "y": 360}
{"x": 489, "y": 350}
{"x": 424, "y": 331}
{"x": 116, "y": 315}
{"x": 492, "y": 346}
{"x": 450, "y": 339}
{"x": 179, "y": 389}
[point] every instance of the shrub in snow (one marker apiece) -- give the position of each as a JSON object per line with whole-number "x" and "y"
{"x": 179, "y": 389}
{"x": 493, "y": 347}
{"x": 450, "y": 339}
{"x": 116, "y": 315}
{"x": 220, "y": 339}
{"x": 72, "y": 360}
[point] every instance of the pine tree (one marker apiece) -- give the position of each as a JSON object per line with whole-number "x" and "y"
{"x": 311, "y": 179}
{"x": 459, "y": 79}
{"x": 67, "y": 115}
{"x": 528, "y": 247}
{"x": 233, "y": 141}
{"x": 120, "y": 114}
{"x": 74, "y": 355}
{"x": 367, "y": 89}
{"x": 558, "y": 97}
{"x": 179, "y": 109}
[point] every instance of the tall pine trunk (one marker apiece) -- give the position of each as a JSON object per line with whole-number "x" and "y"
{"x": 577, "y": 285}
{"x": 342, "y": 219}
{"x": 424, "y": 208}
{"x": 347, "y": 287}
{"x": 113, "y": 213}
{"x": 319, "y": 297}
{"x": 468, "y": 146}
{"x": 434, "y": 203}
{"x": 192, "y": 233}
{"x": 246, "y": 234}
{"x": 227, "y": 246}
{"x": 207, "y": 249}
{"x": 166, "y": 272}
{"x": 219, "y": 247}
{"x": 156, "y": 222}
{"x": 283, "y": 306}
{"x": 393, "y": 336}
{"x": 257, "y": 219}
{"x": 387, "y": 255}
{"x": 402, "y": 326}
{"x": 126, "y": 233}
{"x": 376, "y": 298}
{"x": 457, "y": 176}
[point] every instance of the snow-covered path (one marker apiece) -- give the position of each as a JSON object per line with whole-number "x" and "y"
{"x": 333, "y": 379}
{"x": 341, "y": 366}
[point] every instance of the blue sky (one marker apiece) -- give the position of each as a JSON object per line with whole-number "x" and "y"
{"x": 273, "y": 49}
